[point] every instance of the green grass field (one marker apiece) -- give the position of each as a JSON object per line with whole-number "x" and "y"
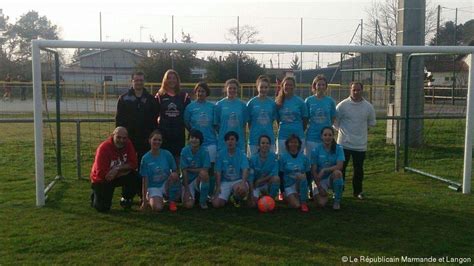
{"x": 404, "y": 215}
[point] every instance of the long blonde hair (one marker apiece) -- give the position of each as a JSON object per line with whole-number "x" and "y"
{"x": 163, "y": 89}
{"x": 280, "y": 98}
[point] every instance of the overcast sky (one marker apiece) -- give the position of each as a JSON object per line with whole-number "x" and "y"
{"x": 324, "y": 22}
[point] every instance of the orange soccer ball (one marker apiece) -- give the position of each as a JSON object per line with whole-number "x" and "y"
{"x": 266, "y": 204}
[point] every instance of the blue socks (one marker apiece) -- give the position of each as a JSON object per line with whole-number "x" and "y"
{"x": 204, "y": 191}
{"x": 174, "y": 189}
{"x": 337, "y": 187}
{"x": 274, "y": 189}
{"x": 303, "y": 190}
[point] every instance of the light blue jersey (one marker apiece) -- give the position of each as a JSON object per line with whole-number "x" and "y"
{"x": 231, "y": 115}
{"x": 321, "y": 113}
{"x": 157, "y": 169}
{"x": 200, "y": 116}
{"x": 290, "y": 117}
{"x": 262, "y": 113}
{"x": 198, "y": 160}
{"x": 323, "y": 158}
{"x": 293, "y": 166}
{"x": 260, "y": 169}
{"x": 231, "y": 167}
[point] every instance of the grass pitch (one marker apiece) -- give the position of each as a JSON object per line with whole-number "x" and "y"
{"x": 404, "y": 215}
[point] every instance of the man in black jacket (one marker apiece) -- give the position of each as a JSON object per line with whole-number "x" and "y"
{"x": 137, "y": 111}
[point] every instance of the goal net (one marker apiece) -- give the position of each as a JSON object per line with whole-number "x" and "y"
{"x": 75, "y": 98}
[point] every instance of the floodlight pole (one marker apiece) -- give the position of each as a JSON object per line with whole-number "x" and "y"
{"x": 467, "y": 171}
{"x": 38, "y": 123}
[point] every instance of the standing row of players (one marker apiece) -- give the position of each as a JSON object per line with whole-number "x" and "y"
{"x": 226, "y": 121}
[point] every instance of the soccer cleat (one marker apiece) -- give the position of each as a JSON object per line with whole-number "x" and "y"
{"x": 304, "y": 207}
{"x": 234, "y": 201}
{"x": 204, "y": 206}
{"x": 336, "y": 206}
{"x": 126, "y": 203}
{"x": 360, "y": 196}
{"x": 280, "y": 197}
{"x": 173, "y": 206}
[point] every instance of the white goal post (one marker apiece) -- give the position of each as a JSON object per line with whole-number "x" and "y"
{"x": 43, "y": 44}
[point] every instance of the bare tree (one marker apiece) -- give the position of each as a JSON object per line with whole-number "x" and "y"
{"x": 243, "y": 35}
{"x": 385, "y": 14}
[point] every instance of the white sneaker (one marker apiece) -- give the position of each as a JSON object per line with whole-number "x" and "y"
{"x": 204, "y": 206}
{"x": 336, "y": 206}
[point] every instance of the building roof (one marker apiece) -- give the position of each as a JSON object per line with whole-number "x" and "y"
{"x": 95, "y": 52}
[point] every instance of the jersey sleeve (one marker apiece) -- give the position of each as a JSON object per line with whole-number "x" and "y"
{"x": 143, "y": 167}
{"x": 307, "y": 105}
{"x": 303, "y": 109}
{"x": 332, "y": 109}
{"x": 249, "y": 110}
{"x": 187, "y": 116}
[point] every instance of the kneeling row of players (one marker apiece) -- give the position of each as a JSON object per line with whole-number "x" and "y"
{"x": 236, "y": 176}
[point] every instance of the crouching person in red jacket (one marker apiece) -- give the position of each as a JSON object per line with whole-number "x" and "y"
{"x": 114, "y": 166}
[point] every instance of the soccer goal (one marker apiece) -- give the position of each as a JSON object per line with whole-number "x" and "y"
{"x": 75, "y": 112}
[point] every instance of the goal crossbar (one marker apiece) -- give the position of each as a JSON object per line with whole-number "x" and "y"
{"x": 41, "y": 44}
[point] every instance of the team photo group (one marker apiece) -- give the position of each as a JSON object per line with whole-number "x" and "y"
{"x": 148, "y": 154}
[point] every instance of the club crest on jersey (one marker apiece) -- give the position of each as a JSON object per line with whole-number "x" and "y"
{"x": 172, "y": 110}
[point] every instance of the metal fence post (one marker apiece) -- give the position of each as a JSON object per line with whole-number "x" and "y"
{"x": 78, "y": 148}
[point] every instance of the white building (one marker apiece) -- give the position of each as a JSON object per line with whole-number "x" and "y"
{"x": 111, "y": 65}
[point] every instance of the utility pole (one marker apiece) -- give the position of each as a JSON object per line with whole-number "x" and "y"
{"x": 454, "y": 57}
{"x": 172, "y": 41}
{"x": 361, "y": 43}
{"x": 141, "y": 28}
{"x": 238, "y": 52}
{"x": 437, "y": 24}
{"x": 301, "y": 54}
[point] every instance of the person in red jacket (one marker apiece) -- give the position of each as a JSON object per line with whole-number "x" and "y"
{"x": 115, "y": 165}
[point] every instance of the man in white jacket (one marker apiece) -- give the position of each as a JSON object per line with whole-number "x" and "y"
{"x": 354, "y": 116}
